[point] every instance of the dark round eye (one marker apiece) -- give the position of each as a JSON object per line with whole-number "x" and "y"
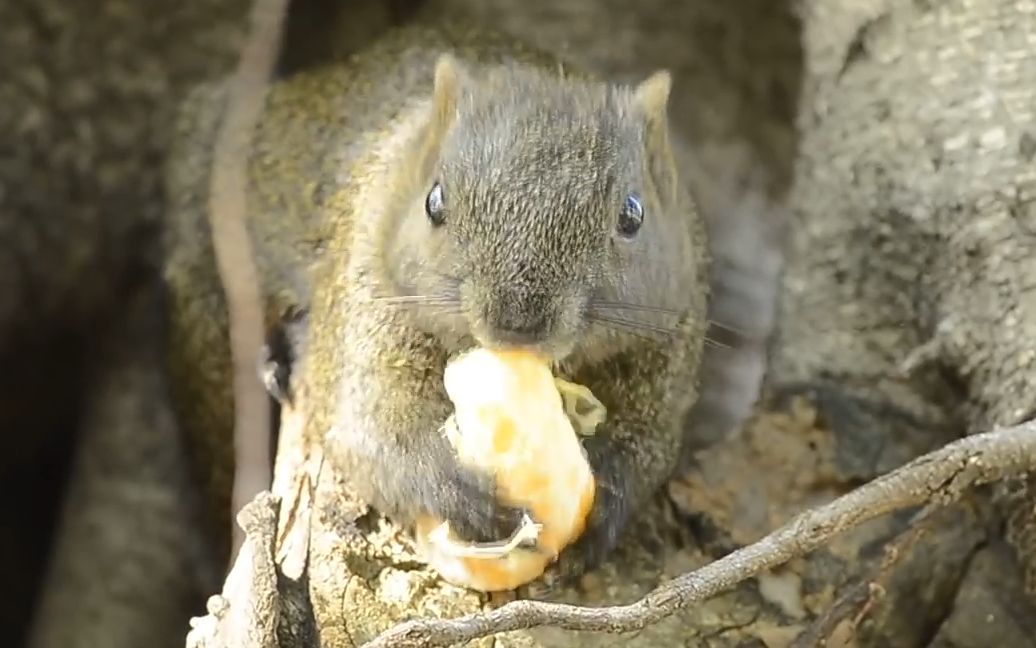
{"x": 631, "y": 217}
{"x": 435, "y": 205}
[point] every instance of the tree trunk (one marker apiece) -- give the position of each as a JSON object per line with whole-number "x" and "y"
{"x": 910, "y": 289}
{"x": 908, "y": 301}
{"x": 87, "y": 89}
{"x": 129, "y": 565}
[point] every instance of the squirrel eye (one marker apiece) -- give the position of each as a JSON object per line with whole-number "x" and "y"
{"x": 631, "y": 217}
{"x": 435, "y": 205}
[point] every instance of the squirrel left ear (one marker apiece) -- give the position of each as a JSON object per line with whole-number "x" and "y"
{"x": 445, "y": 91}
{"x": 651, "y": 97}
{"x": 447, "y": 86}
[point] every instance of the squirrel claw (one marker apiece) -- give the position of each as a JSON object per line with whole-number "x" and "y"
{"x": 274, "y": 368}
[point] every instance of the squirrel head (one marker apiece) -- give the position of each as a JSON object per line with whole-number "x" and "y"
{"x": 528, "y": 196}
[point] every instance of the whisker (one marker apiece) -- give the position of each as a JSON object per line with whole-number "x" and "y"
{"x": 435, "y": 305}
{"x": 716, "y": 344}
{"x": 642, "y": 308}
{"x": 727, "y": 327}
{"x": 417, "y": 299}
{"x": 623, "y": 329}
{"x": 444, "y": 308}
{"x": 641, "y": 328}
{"x": 635, "y": 324}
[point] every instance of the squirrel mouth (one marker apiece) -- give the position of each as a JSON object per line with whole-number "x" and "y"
{"x": 544, "y": 343}
{"x": 524, "y": 339}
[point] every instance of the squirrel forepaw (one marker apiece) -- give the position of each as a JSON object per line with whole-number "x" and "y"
{"x": 604, "y": 529}
{"x": 469, "y": 503}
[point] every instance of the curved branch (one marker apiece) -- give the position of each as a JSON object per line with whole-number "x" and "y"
{"x": 233, "y": 250}
{"x": 940, "y": 477}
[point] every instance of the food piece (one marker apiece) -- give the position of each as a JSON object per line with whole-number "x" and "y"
{"x": 515, "y": 419}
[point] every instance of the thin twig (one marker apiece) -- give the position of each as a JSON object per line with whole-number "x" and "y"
{"x": 941, "y": 476}
{"x": 227, "y": 200}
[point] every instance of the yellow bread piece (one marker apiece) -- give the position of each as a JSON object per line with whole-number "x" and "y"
{"x": 515, "y": 419}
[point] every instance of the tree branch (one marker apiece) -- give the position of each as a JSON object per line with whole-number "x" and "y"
{"x": 939, "y": 477}
{"x": 233, "y": 250}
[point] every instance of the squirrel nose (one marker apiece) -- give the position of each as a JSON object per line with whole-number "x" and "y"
{"x": 516, "y": 323}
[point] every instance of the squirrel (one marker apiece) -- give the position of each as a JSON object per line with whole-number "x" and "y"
{"x": 444, "y": 188}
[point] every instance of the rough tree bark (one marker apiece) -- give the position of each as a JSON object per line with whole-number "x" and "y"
{"x": 129, "y": 564}
{"x": 910, "y": 290}
{"x": 86, "y": 89}
{"x": 909, "y": 298}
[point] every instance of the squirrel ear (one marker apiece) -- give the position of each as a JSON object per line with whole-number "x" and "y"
{"x": 651, "y": 96}
{"x": 446, "y": 90}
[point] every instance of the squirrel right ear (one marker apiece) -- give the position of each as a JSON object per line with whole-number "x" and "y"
{"x": 651, "y": 96}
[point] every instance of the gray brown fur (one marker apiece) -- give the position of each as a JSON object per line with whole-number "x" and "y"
{"x": 536, "y": 162}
